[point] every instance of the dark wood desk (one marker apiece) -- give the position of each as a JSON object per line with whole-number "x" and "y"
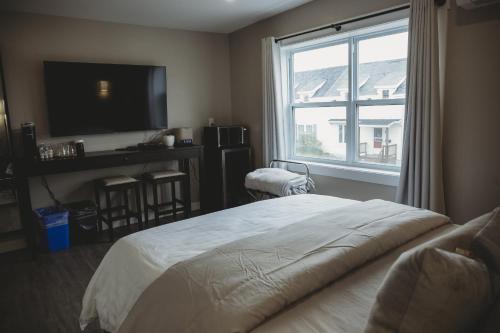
{"x": 26, "y": 169}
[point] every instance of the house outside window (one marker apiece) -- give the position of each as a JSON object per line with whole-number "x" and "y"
{"x": 341, "y": 129}
{"x": 377, "y": 137}
{"x": 306, "y": 139}
{"x": 311, "y": 130}
{"x": 351, "y": 87}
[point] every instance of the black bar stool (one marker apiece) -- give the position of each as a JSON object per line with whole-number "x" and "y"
{"x": 122, "y": 185}
{"x": 155, "y": 179}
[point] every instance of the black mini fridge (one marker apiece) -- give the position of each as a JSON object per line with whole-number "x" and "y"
{"x": 226, "y": 165}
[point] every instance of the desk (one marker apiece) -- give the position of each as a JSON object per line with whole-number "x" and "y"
{"x": 26, "y": 169}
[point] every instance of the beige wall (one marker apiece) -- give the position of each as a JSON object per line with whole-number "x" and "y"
{"x": 472, "y": 113}
{"x": 352, "y": 189}
{"x": 198, "y": 80}
{"x": 471, "y": 135}
{"x": 246, "y": 77}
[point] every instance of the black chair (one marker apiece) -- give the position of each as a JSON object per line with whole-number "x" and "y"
{"x": 122, "y": 185}
{"x": 155, "y": 180}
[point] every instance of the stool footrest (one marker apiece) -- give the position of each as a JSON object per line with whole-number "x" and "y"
{"x": 120, "y": 217}
{"x": 164, "y": 204}
{"x": 113, "y": 209}
{"x": 168, "y": 211}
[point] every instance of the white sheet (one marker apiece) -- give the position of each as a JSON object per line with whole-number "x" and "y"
{"x": 135, "y": 261}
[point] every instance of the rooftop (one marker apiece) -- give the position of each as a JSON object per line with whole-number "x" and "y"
{"x": 373, "y": 76}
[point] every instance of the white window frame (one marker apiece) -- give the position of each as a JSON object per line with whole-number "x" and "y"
{"x": 352, "y": 104}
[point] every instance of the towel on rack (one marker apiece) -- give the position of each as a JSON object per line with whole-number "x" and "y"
{"x": 278, "y": 182}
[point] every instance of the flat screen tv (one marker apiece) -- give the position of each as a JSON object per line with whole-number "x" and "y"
{"x": 88, "y": 98}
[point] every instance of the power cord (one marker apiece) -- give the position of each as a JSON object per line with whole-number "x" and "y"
{"x": 45, "y": 184}
{"x": 192, "y": 167}
{"x": 155, "y": 137}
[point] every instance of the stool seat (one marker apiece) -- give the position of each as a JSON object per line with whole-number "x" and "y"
{"x": 164, "y": 174}
{"x": 116, "y": 180}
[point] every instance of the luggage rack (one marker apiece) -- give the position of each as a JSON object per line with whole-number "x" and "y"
{"x": 258, "y": 195}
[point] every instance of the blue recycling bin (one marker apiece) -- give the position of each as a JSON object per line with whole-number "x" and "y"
{"x": 55, "y": 228}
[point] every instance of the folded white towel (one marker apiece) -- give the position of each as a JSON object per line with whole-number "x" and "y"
{"x": 277, "y": 181}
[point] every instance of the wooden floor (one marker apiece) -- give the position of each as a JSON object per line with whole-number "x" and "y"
{"x": 45, "y": 295}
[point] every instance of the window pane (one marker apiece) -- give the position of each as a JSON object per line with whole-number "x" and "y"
{"x": 382, "y": 67}
{"x": 321, "y": 75}
{"x": 320, "y": 132}
{"x": 380, "y": 134}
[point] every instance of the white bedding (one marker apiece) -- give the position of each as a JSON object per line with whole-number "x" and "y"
{"x": 237, "y": 286}
{"x": 344, "y": 306}
{"x": 135, "y": 261}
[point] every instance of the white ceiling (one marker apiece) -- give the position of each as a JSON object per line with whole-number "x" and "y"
{"x": 222, "y": 16}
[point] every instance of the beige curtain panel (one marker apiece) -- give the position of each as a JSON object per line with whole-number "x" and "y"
{"x": 421, "y": 181}
{"x": 273, "y": 118}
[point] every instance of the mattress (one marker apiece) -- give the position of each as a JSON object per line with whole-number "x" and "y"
{"x": 135, "y": 261}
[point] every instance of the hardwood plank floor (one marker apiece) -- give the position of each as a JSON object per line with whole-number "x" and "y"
{"x": 45, "y": 295}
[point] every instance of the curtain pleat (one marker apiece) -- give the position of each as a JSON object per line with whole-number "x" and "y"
{"x": 421, "y": 180}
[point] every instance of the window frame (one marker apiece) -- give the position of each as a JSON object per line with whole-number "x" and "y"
{"x": 352, "y": 103}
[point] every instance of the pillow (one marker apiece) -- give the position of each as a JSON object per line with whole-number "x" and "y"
{"x": 486, "y": 243}
{"x": 431, "y": 290}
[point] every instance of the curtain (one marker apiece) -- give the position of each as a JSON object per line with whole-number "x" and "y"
{"x": 421, "y": 180}
{"x": 274, "y": 129}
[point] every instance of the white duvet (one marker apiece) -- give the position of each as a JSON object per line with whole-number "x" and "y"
{"x": 237, "y": 286}
{"x": 135, "y": 261}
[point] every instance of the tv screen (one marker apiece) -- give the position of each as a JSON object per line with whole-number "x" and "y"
{"x": 87, "y": 98}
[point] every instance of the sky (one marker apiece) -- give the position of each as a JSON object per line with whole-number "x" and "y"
{"x": 374, "y": 49}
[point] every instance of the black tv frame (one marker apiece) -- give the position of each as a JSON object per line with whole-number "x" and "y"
{"x": 59, "y": 133}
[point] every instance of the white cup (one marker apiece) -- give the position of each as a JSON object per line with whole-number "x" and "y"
{"x": 169, "y": 140}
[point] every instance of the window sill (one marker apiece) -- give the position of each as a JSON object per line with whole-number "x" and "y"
{"x": 389, "y": 178}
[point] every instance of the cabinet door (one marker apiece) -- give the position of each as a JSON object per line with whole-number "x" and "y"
{"x": 236, "y": 163}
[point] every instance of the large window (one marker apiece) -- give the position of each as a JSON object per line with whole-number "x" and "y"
{"x": 347, "y": 97}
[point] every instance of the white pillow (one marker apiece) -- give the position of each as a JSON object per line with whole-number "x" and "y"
{"x": 432, "y": 291}
{"x": 486, "y": 243}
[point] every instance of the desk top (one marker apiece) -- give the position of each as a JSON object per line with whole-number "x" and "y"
{"x": 105, "y": 159}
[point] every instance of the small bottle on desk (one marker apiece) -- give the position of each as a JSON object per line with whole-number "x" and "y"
{"x": 80, "y": 148}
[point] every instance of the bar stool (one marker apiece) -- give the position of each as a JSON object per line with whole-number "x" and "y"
{"x": 121, "y": 185}
{"x": 155, "y": 179}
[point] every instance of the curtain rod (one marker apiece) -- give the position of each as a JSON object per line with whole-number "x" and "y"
{"x": 338, "y": 25}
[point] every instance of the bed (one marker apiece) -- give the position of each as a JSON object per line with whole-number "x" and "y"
{"x": 136, "y": 262}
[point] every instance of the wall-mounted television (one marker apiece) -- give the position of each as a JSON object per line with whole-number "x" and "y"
{"x": 89, "y": 98}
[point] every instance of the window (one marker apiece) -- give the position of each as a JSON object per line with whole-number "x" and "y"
{"x": 311, "y": 130}
{"x": 347, "y": 97}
